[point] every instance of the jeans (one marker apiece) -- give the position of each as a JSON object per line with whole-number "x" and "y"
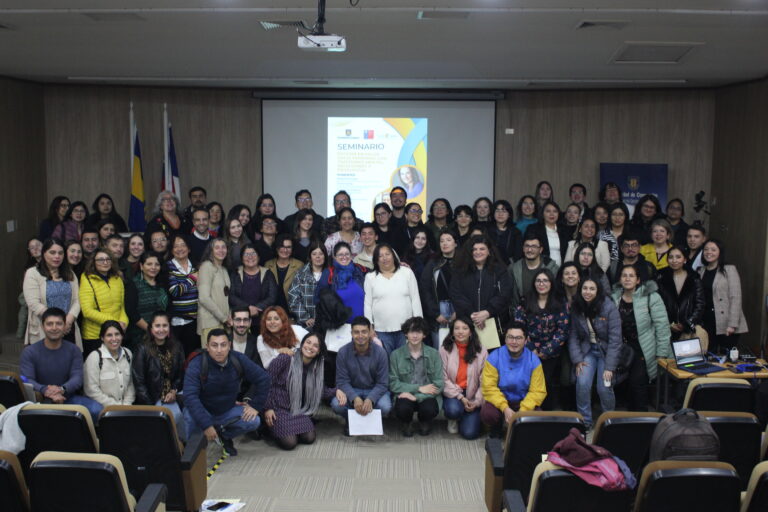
{"x": 469, "y": 422}
{"x": 178, "y": 418}
{"x": 593, "y": 369}
{"x": 93, "y": 406}
{"x": 391, "y": 340}
{"x": 231, "y": 431}
{"x": 446, "y": 309}
{"x": 384, "y": 403}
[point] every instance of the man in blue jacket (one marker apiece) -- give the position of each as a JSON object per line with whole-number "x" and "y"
{"x": 211, "y": 386}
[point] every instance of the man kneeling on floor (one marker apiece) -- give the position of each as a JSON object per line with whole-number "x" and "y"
{"x": 513, "y": 380}
{"x": 211, "y": 385}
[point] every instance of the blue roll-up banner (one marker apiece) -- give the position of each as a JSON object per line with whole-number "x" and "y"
{"x": 636, "y": 180}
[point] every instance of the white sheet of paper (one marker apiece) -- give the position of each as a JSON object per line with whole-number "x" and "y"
{"x": 337, "y": 338}
{"x": 369, "y": 425}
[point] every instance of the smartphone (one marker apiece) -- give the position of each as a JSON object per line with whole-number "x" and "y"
{"x": 219, "y": 506}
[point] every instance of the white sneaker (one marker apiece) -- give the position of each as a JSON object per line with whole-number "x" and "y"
{"x": 453, "y": 427}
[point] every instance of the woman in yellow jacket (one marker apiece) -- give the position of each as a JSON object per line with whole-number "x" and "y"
{"x": 102, "y": 298}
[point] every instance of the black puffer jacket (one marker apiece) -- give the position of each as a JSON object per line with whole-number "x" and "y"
{"x": 489, "y": 288}
{"x": 687, "y": 308}
{"x": 148, "y": 375}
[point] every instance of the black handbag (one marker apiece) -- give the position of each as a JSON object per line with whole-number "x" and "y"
{"x": 626, "y": 357}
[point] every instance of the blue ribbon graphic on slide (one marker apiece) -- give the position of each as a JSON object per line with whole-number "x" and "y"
{"x": 417, "y": 135}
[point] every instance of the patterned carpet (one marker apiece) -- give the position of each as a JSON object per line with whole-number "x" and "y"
{"x": 440, "y": 472}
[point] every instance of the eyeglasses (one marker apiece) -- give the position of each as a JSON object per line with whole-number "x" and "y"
{"x": 528, "y": 246}
{"x": 514, "y": 338}
{"x": 542, "y": 281}
{"x": 287, "y": 247}
{"x": 633, "y": 245}
{"x": 304, "y": 200}
{"x": 250, "y": 255}
{"x": 419, "y": 211}
{"x": 382, "y": 214}
{"x": 341, "y": 201}
{"x": 343, "y": 255}
{"x": 158, "y": 240}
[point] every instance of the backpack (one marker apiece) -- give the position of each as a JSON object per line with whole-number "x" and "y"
{"x": 204, "y": 365}
{"x": 101, "y": 358}
{"x": 684, "y": 435}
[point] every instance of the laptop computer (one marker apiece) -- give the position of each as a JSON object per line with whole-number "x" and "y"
{"x": 690, "y": 357}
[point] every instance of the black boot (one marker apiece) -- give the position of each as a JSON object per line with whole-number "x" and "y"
{"x": 229, "y": 446}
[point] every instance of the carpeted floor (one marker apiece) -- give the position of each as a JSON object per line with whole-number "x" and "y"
{"x": 440, "y": 472}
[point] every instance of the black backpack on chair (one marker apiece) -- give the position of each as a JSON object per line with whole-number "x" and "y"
{"x": 684, "y": 435}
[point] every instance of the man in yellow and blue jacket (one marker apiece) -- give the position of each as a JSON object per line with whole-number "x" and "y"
{"x": 513, "y": 380}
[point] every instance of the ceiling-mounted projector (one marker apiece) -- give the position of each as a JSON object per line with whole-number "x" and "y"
{"x": 317, "y": 39}
{"x": 322, "y": 42}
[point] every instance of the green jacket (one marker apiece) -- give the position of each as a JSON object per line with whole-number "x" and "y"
{"x": 401, "y": 369}
{"x": 652, "y": 323}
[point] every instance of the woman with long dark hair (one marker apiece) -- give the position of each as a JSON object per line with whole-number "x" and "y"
{"x": 253, "y": 286}
{"x": 527, "y": 213}
{"x": 51, "y": 283}
{"x": 481, "y": 286}
{"x": 145, "y": 294}
{"x": 463, "y": 223}
{"x": 584, "y": 258}
{"x": 158, "y": 369}
{"x": 548, "y": 325}
{"x": 440, "y": 216}
{"x": 302, "y": 292}
{"x": 265, "y": 205}
{"x": 103, "y": 208}
{"x": 543, "y": 194}
{"x": 303, "y": 235}
{"x": 419, "y": 251}
{"x": 391, "y": 297}
{"x": 683, "y": 294}
{"x": 72, "y": 225}
{"x": 74, "y": 253}
{"x": 107, "y": 370}
{"x": 508, "y": 239}
{"x": 215, "y": 218}
{"x": 57, "y": 210}
{"x": 295, "y": 393}
{"x": 587, "y": 234}
{"x": 594, "y": 345}
{"x": 463, "y": 359}
{"x": 723, "y": 316}
{"x": 618, "y": 226}
{"x": 435, "y": 285}
{"x": 645, "y": 328}
{"x": 553, "y": 235}
{"x": 647, "y": 209}
{"x": 482, "y": 211}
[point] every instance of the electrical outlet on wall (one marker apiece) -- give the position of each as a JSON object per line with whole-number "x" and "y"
{"x": 10, "y": 226}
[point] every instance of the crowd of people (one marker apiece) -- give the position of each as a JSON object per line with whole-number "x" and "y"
{"x": 233, "y": 320}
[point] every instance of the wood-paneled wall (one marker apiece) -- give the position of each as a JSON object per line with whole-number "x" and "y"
{"x": 739, "y": 187}
{"x": 563, "y": 136}
{"x": 23, "y": 194}
{"x": 217, "y": 135}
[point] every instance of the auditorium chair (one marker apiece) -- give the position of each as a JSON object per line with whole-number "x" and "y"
{"x": 64, "y": 481}
{"x": 56, "y": 427}
{"x": 740, "y": 437}
{"x": 701, "y": 486}
{"x": 627, "y": 435}
{"x": 144, "y": 439}
{"x": 756, "y": 497}
{"x": 716, "y": 394}
{"x": 511, "y": 465}
{"x": 11, "y": 389}
{"x": 14, "y": 496}
{"x": 554, "y": 489}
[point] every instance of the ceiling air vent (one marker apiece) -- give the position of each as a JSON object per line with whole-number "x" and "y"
{"x": 602, "y": 24}
{"x": 272, "y": 25}
{"x": 652, "y": 52}
{"x": 442, "y": 15}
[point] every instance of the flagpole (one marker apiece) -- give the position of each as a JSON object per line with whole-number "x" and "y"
{"x": 166, "y": 162}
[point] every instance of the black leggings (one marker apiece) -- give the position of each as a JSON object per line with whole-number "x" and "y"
{"x": 427, "y": 409}
{"x": 187, "y": 336}
{"x": 551, "y": 369}
{"x": 290, "y": 442}
{"x": 637, "y": 382}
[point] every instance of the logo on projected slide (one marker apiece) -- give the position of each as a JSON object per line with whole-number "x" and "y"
{"x": 368, "y": 134}
{"x": 347, "y": 132}
{"x": 633, "y": 182}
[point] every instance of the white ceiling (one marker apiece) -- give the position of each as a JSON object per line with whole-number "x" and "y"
{"x": 497, "y": 44}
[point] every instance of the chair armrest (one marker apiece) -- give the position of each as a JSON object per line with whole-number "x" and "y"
{"x": 513, "y": 501}
{"x": 495, "y": 455}
{"x": 154, "y": 495}
{"x": 196, "y": 444}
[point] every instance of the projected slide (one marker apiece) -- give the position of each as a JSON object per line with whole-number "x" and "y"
{"x": 367, "y": 156}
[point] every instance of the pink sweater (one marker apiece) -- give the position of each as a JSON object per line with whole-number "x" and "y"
{"x": 474, "y": 374}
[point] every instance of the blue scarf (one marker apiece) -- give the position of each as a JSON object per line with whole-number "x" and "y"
{"x": 343, "y": 273}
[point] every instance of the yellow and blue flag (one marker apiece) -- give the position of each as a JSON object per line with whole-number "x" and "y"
{"x": 136, "y": 220}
